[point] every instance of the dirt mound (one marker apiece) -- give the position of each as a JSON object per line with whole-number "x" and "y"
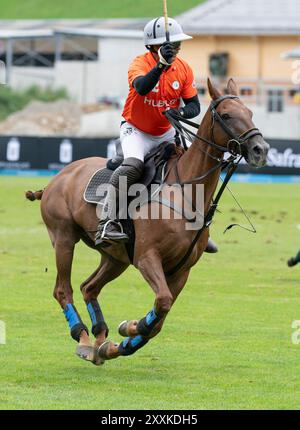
{"x": 59, "y": 118}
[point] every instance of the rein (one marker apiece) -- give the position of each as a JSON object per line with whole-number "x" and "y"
{"x": 230, "y": 164}
{"x": 207, "y": 219}
{"x": 184, "y": 132}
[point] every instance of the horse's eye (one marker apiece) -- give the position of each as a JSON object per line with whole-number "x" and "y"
{"x": 225, "y": 116}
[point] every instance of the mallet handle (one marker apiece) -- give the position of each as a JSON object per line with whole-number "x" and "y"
{"x": 166, "y": 21}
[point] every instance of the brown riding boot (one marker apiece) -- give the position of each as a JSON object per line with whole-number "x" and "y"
{"x": 211, "y": 247}
{"x": 292, "y": 262}
{"x": 110, "y": 231}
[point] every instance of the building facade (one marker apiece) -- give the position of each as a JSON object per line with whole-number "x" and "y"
{"x": 248, "y": 41}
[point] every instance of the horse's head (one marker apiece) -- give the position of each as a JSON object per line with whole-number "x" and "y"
{"x": 232, "y": 126}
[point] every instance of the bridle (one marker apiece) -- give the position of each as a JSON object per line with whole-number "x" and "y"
{"x": 234, "y": 146}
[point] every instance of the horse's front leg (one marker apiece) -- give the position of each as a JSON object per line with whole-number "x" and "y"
{"x": 139, "y": 332}
{"x": 133, "y": 327}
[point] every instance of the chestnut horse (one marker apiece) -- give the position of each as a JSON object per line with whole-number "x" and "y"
{"x": 160, "y": 244}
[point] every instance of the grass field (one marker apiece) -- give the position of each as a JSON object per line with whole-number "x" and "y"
{"x": 37, "y": 9}
{"x": 226, "y": 343}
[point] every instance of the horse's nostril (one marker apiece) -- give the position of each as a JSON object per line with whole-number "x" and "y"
{"x": 257, "y": 150}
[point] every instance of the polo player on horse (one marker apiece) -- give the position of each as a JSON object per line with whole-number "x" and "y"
{"x": 158, "y": 80}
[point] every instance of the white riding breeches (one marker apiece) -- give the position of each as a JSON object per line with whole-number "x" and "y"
{"x": 135, "y": 143}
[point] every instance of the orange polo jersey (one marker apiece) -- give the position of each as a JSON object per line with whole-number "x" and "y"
{"x": 145, "y": 112}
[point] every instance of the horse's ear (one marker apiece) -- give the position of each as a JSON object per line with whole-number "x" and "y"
{"x": 214, "y": 93}
{"x": 232, "y": 87}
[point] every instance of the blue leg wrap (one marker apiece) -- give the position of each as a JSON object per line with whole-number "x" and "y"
{"x": 146, "y": 324}
{"x": 131, "y": 344}
{"x": 75, "y": 323}
{"x": 97, "y": 318}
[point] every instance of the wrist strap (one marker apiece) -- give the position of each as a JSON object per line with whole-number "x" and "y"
{"x": 162, "y": 60}
{"x": 160, "y": 65}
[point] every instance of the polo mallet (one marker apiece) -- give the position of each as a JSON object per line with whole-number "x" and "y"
{"x": 166, "y": 21}
{"x": 168, "y": 40}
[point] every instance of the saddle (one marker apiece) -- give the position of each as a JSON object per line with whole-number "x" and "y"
{"x": 154, "y": 163}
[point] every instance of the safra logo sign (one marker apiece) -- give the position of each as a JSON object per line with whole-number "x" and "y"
{"x": 287, "y": 158}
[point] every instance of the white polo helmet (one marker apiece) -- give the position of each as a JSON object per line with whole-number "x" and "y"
{"x": 155, "y": 32}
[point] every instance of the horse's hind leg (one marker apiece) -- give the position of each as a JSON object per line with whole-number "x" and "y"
{"x": 106, "y": 272}
{"x": 139, "y": 332}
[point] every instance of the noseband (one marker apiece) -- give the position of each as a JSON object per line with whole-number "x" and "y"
{"x": 234, "y": 145}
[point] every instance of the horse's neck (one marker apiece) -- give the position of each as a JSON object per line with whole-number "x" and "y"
{"x": 197, "y": 161}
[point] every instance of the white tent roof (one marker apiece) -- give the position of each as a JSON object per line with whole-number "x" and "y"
{"x": 25, "y": 34}
{"x": 103, "y": 33}
{"x": 293, "y": 53}
{"x": 238, "y": 17}
{"x": 112, "y": 28}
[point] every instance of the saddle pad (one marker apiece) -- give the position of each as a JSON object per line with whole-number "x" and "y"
{"x": 101, "y": 176}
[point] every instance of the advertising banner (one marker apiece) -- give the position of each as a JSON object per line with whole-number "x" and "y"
{"x": 53, "y": 153}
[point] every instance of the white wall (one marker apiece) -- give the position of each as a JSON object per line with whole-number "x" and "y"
{"x": 87, "y": 81}
{"x": 278, "y": 125}
{"x": 23, "y": 77}
{"x": 115, "y": 55}
{"x": 79, "y": 78}
{"x": 273, "y": 125}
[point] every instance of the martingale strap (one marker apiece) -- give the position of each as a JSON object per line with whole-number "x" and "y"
{"x": 207, "y": 219}
{"x": 233, "y": 146}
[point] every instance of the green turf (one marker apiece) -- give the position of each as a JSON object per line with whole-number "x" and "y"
{"x": 36, "y": 9}
{"x": 226, "y": 343}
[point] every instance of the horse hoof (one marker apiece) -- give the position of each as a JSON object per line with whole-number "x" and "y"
{"x": 89, "y": 353}
{"x": 122, "y": 328}
{"x": 108, "y": 350}
{"x": 128, "y": 328}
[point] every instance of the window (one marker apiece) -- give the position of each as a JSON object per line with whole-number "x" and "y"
{"x": 275, "y": 100}
{"x": 246, "y": 91}
{"x": 77, "y": 48}
{"x": 40, "y": 52}
{"x": 201, "y": 91}
{"x": 218, "y": 64}
{"x": 291, "y": 93}
{"x": 32, "y": 52}
{"x": 37, "y": 59}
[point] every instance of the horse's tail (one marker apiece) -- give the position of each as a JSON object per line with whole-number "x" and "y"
{"x": 36, "y": 195}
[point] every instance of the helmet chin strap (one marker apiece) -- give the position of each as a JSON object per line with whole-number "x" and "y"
{"x": 154, "y": 52}
{"x": 152, "y": 49}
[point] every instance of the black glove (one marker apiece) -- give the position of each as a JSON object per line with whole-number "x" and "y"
{"x": 166, "y": 54}
{"x": 175, "y": 113}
